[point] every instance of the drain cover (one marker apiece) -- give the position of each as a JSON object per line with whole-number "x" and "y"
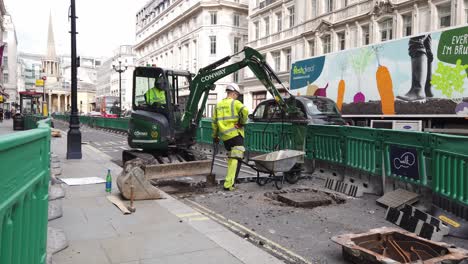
{"x": 391, "y": 245}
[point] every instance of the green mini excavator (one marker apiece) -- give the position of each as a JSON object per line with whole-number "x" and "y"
{"x": 162, "y": 135}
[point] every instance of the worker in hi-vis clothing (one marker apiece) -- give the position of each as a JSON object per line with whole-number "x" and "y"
{"x": 156, "y": 94}
{"x": 229, "y": 119}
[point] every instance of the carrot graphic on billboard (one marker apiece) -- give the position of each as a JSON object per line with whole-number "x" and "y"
{"x": 341, "y": 86}
{"x": 385, "y": 86}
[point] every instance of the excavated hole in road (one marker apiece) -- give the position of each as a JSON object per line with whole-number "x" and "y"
{"x": 305, "y": 197}
{"x": 174, "y": 186}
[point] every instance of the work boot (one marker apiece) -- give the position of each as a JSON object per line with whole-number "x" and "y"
{"x": 229, "y": 189}
{"x": 428, "y": 86}
{"x": 418, "y": 79}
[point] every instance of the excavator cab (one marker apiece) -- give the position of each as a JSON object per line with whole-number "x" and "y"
{"x": 156, "y": 107}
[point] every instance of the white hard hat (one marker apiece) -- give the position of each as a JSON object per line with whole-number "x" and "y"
{"x": 232, "y": 87}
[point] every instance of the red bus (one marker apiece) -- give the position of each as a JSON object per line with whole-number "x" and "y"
{"x": 108, "y": 106}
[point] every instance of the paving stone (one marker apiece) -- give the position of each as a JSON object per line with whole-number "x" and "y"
{"x": 56, "y": 192}
{"x": 55, "y": 210}
{"x": 216, "y": 255}
{"x": 56, "y": 240}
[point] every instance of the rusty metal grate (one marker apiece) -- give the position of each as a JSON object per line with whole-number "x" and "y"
{"x": 391, "y": 245}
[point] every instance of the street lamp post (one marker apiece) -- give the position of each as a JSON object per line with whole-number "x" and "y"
{"x": 120, "y": 69}
{"x": 74, "y": 134}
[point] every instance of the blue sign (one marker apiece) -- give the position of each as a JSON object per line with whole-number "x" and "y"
{"x": 306, "y": 72}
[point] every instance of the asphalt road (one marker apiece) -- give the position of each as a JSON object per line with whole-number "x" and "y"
{"x": 298, "y": 232}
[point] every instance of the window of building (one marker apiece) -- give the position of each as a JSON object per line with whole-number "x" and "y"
{"x": 5, "y": 62}
{"x": 312, "y": 47}
{"x": 326, "y": 44}
{"x": 314, "y": 8}
{"x": 236, "y": 20}
{"x": 235, "y": 77}
{"x": 279, "y": 21}
{"x": 407, "y": 25}
{"x": 236, "y": 44}
{"x": 287, "y": 55}
{"x": 341, "y": 40}
{"x": 466, "y": 11}
{"x": 212, "y": 96}
{"x": 291, "y": 12}
{"x": 386, "y": 30}
{"x": 328, "y": 6}
{"x": 365, "y": 35}
{"x": 257, "y": 98}
{"x": 267, "y": 26}
{"x": 210, "y": 108}
{"x": 276, "y": 60}
{"x": 444, "y": 15}
{"x": 257, "y": 30}
{"x": 214, "y": 18}
{"x": 5, "y": 77}
{"x": 213, "y": 45}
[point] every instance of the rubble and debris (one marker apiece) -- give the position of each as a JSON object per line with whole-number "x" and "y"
{"x": 417, "y": 222}
{"x": 391, "y": 245}
{"x": 398, "y": 198}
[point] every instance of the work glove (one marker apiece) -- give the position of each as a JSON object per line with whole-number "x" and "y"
{"x": 216, "y": 140}
{"x": 238, "y": 126}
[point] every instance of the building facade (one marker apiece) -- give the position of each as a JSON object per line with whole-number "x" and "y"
{"x": 191, "y": 34}
{"x": 9, "y": 61}
{"x": 108, "y": 78}
{"x": 288, "y": 30}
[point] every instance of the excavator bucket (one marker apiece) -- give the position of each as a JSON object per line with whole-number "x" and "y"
{"x": 133, "y": 175}
{"x": 140, "y": 171}
{"x": 188, "y": 168}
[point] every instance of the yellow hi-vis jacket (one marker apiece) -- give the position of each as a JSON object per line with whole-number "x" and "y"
{"x": 155, "y": 95}
{"x": 227, "y": 114}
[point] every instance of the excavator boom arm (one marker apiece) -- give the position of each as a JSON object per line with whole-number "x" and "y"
{"x": 204, "y": 81}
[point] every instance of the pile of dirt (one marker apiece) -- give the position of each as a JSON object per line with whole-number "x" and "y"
{"x": 435, "y": 106}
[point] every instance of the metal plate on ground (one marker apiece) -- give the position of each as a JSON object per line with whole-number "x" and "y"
{"x": 398, "y": 198}
{"x": 305, "y": 199}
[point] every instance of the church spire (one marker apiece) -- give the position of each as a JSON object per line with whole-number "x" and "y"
{"x": 50, "y": 40}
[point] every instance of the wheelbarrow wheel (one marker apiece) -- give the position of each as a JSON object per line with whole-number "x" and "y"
{"x": 279, "y": 181}
{"x": 293, "y": 175}
{"x": 261, "y": 180}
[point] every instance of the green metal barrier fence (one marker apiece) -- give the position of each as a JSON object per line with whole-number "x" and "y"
{"x": 363, "y": 149}
{"x": 30, "y": 121}
{"x": 24, "y": 195}
{"x": 401, "y": 140}
{"x": 450, "y": 167}
{"x": 120, "y": 124}
{"x": 325, "y": 143}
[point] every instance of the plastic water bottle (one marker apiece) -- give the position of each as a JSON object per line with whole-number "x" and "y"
{"x": 108, "y": 182}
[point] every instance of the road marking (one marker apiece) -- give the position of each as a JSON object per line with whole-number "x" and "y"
{"x": 188, "y": 215}
{"x": 236, "y": 227}
{"x": 97, "y": 144}
{"x": 193, "y": 217}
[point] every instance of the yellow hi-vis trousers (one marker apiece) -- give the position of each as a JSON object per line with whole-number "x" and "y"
{"x": 234, "y": 164}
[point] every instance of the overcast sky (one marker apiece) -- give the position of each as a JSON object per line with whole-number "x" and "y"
{"x": 102, "y": 25}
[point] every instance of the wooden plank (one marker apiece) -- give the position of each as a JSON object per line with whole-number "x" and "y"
{"x": 119, "y": 203}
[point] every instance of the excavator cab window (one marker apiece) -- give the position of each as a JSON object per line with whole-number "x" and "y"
{"x": 150, "y": 88}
